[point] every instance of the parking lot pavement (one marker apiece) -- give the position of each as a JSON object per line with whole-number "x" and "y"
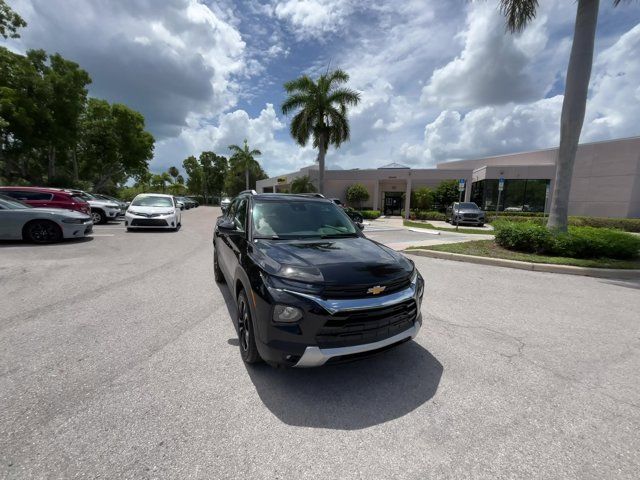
{"x": 401, "y": 238}
{"x": 118, "y": 359}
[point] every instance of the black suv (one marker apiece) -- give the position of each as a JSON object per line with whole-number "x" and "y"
{"x": 309, "y": 286}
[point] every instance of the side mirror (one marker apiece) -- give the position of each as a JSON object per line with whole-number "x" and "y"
{"x": 225, "y": 208}
{"x": 360, "y": 226}
{"x": 226, "y": 226}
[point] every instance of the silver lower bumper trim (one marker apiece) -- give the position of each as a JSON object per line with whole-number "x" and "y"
{"x": 315, "y": 356}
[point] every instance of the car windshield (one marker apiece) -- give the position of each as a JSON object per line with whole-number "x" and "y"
{"x": 152, "y": 201}
{"x": 8, "y": 203}
{"x": 469, "y": 205}
{"x": 300, "y": 219}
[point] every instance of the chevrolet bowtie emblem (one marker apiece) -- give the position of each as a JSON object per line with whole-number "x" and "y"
{"x": 376, "y": 290}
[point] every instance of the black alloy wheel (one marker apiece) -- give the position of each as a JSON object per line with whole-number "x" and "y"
{"x": 43, "y": 231}
{"x": 248, "y": 349}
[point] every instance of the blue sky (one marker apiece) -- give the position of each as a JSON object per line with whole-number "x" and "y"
{"x": 439, "y": 80}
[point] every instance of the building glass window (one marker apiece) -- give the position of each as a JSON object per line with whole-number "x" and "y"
{"x": 517, "y": 196}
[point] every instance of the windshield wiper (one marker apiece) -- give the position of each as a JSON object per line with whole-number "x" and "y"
{"x": 339, "y": 235}
{"x": 266, "y": 237}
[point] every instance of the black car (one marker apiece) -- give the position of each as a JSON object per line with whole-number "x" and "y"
{"x": 309, "y": 286}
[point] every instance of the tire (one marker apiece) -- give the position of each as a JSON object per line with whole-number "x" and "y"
{"x": 98, "y": 217}
{"x": 129, "y": 229}
{"x": 42, "y": 231}
{"x": 481, "y": 224}
{"x": 246, "y": 336}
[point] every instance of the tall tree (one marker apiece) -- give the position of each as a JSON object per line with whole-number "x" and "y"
{"x": 321, "y": 112}
{"x": 193, "y": 170}
{"x": 235, "y": 180}
{"x": 244, "y": 157}
{"x": 518, "y": 14}
{"x": 214, "y": 171}
{"x": 114, "y": 144}
{"x": 302, "y": 185}
{"x": 10, "y": 21}
{"x": 174, "y": 172}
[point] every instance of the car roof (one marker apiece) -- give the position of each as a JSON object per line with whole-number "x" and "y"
{"x": 34, "y": 189}
{"x": 289, "y": 197}
{"x": 154, "y": 195}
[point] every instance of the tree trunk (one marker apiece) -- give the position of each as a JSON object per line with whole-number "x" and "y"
{"x": 246, "y": 178}
{"x": 573, "y": 108}
{"x": 322, "y": 152}
{"x": 51, "y": 173}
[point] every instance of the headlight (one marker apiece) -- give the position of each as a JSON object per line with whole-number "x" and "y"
{"x": 73, "y": 220}
{"x": 286, "y": 314}
{"x": 133, "y": 212}
{"x": 172, "y": 212}
{"x": 414, "y": 276}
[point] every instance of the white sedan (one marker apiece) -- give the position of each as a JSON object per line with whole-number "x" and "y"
{"x": 153, "y": 210}
{"x": 19, "y": 221}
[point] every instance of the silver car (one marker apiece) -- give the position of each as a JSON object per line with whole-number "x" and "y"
{"x": 465, "y": 212}
{"x": 19, "y": 221}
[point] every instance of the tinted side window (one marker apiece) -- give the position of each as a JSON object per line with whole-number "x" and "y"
{"x": 240, "y": 215}
{"x": 24, "y": 195}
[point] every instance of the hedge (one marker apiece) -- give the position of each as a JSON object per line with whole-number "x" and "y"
{"x": 427, "y": 215}
{"x": 626, "y": 224}
{"x": 369, "y": 214}
{"x": 578, "y": 242}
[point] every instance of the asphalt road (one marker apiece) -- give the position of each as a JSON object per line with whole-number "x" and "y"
{"x": 119, "y": 359}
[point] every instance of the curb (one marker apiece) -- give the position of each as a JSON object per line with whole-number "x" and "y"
{"x": 534, "y": 267}
{"x": 423, "y": 230}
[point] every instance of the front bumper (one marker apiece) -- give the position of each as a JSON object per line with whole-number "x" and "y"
{"x": 336, "y": 328}
{"x": 315, "y": 356}
{"x": 138, "y": 221}
{"x": 73, "y": 230}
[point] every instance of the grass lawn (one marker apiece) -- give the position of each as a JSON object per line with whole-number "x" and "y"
{"x": 487, "y": 248}
{"x": 409, "y": 223}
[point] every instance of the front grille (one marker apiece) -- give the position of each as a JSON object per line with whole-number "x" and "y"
{"x": 148, "y": 222}
{"x": 360, "y": 291}
{"x": 366, "y": 326}
{"x": 470, "y": 215}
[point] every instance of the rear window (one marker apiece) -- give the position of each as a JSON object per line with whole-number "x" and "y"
{"x": 78, "y": 198}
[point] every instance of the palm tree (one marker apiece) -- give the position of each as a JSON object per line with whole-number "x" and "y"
{"x": 518, "y": 14}
{"x": 160, "y": 181}
{"x": 322, "y": 112}
{"x": 302, "y": 185}
{"x": 174, "y": 172}
{"x": 244, "y": 157}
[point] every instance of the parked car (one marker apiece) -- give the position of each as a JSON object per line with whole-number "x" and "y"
{"x": 309, "y": 286}
{"x": 121, "y": 203}
{"x": 42, "y": 197}
{"x": 187, "y": 202}
{"x": 153, "y": 210}
{"x": 352, "y": 213}
{"x": 19, "y": 221}
{"x": 224, "y": 204}
{"x": 101, "y": 210}
{"x": 465, "y": 212}
{"x": 179, "y": 203}
{"x": 195, "y": 203}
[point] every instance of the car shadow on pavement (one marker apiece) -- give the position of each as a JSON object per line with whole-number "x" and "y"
{"x": 22, "y": 243}
{"x": 347, "y": 396}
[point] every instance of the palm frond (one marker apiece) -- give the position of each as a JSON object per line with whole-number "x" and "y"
{"x": 255, "y": 153}
{"x": 344, "y": 96}
{"x": 337, "y": 77}
{"x": 518, "y": 13}
{"x": 300, "y": 127}
{"x": 295, "y": 101}
{"x": 236, "y": 149}
{"x": 301, "y": 84}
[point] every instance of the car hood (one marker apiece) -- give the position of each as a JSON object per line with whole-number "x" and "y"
{"x": 102, "y": 203}
{"x": 150, "y": 209}
{"x": 343, "y": 261}
{"x": 467, "y": 210}
{"x": 64, "y": 212}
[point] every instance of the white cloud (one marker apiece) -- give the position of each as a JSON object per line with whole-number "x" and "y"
{"x": 494, "y": 67}
{"x": 313, "y": 18}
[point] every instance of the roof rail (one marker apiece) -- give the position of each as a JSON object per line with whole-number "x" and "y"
{"x": 250, "y": 192}
{"x": 316, "y": 195}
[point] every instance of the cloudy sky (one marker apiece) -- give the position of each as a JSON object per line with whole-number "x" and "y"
{"x": 439, "y": 80}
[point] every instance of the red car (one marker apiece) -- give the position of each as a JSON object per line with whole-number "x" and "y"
{"x": 47, "y": 198}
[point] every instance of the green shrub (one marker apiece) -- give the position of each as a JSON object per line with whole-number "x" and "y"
{"x": 357, "y": 193}
{"x": 427, "y": 215}
{"x": 523, "y": 237}
{"x": 578, "y": 242}
{"x": 626, "y": 224}
{"x": 370, "y": 214}
{"x": 592, "y": 242}
{"x": 491, "y": 218}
